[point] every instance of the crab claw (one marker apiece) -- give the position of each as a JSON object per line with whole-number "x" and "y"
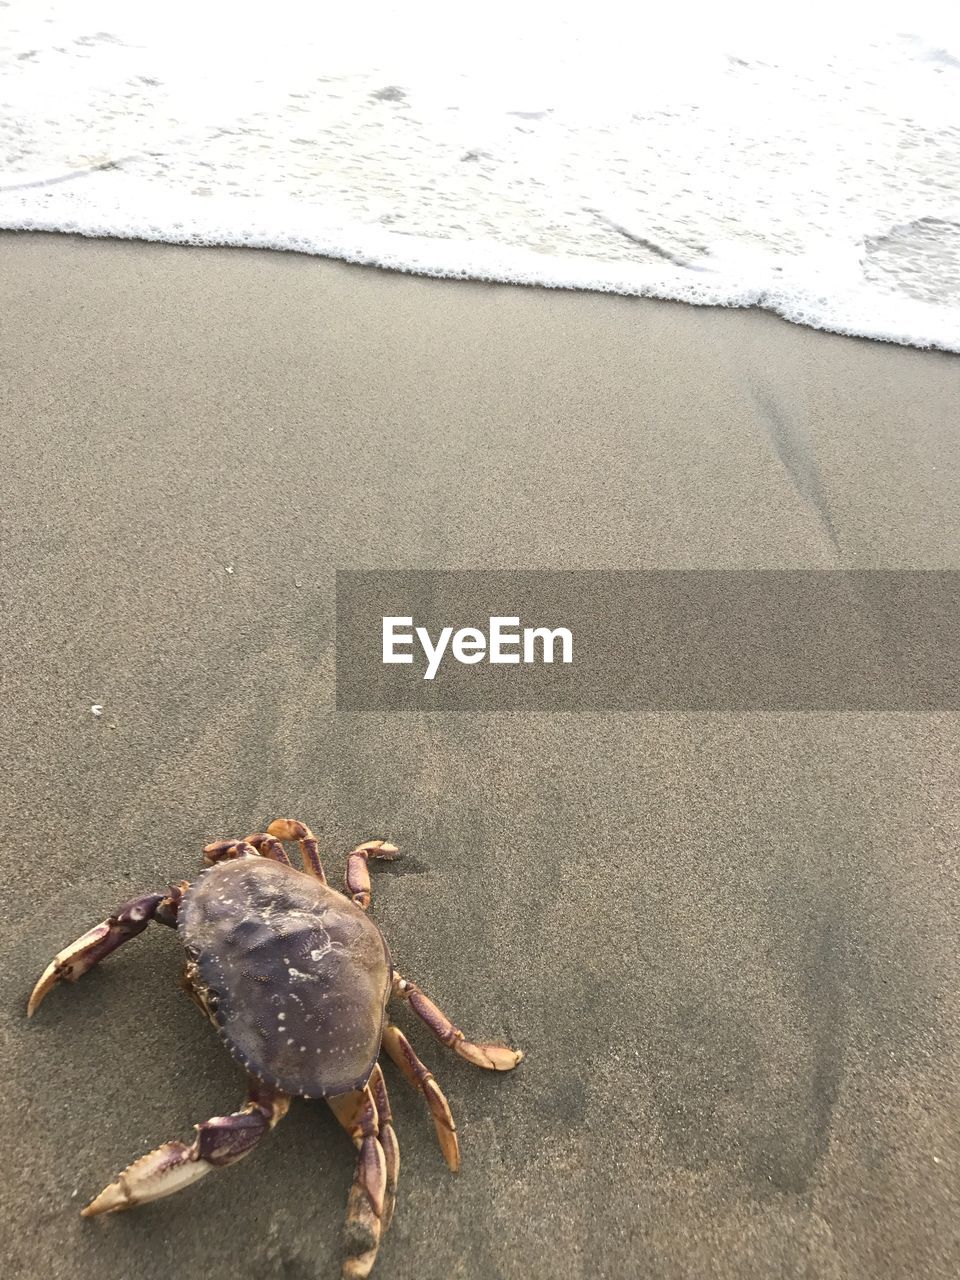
{"x": 492, "y": 1057}
{"x": 97, "y": 943}
{"x": 170, "y": 1167}
{"x": 219, "y": 1141}
{"x": 69, "y": 964}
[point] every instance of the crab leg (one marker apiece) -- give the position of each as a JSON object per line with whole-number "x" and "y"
{"x": 97, "y": 943}
{"x": 357, "y": 1112}
{"x": 416, "y": 1073}
{"x": 387, "y": 1137}
{"x": 219, "y": 1142}
{"x": 289, "y": 829}
{"x": 222, "y": 850}
{"x": 358, "y": 873}
{"x": 492, "y": 1057}
{"x": 388, "y": 1140}
{"x": 269, "y": 847}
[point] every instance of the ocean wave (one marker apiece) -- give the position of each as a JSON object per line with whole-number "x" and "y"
{"x": 822, "y": 187}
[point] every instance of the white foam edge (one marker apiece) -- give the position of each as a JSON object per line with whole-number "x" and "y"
{"x": 289, "y": 226}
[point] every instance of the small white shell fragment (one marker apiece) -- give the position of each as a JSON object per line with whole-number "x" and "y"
{"x": 228, "y": 568}
{"x": 96, "y": 710}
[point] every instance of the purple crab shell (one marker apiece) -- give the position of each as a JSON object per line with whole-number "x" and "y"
{"x": 295, "y": 976}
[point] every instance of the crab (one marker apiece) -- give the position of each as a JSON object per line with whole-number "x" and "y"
{"x": 297, "y": 980}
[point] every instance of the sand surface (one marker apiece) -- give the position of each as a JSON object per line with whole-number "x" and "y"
{"x": 728, "y": 944}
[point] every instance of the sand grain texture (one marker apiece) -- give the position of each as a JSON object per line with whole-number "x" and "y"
{"x": 729, "y": 945}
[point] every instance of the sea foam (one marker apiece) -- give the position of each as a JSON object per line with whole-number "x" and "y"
{"x": 817, "y": 178}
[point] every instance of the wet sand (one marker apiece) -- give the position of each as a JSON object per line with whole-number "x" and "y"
{"x": 728, "y": 944}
